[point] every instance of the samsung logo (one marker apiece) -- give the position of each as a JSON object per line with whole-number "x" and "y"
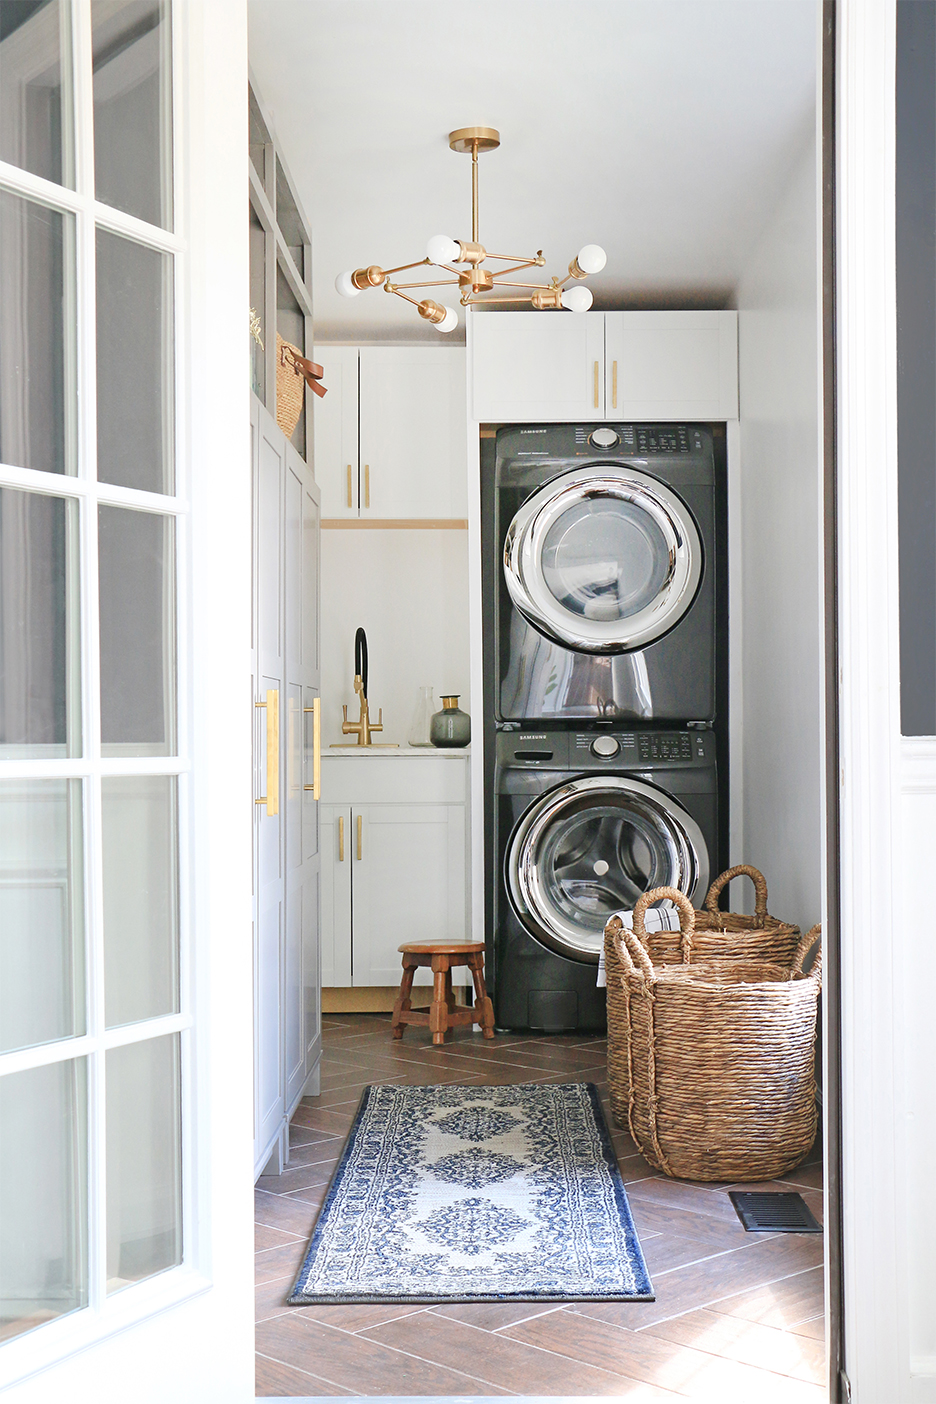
{"x": 532, "y": 431}
{"x": 530, "y": 736}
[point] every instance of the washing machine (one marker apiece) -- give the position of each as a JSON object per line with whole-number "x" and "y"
{"x": 605, "y": 582}
{"x": 584, "y": 822}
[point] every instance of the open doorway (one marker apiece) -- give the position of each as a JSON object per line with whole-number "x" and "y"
{"x": 694, "y": 140}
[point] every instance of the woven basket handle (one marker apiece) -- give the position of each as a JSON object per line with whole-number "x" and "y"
{"x": 806, "y": 943}
{"x": 632, "y": 955}
{"x": 760, "y": 891}
{"x": 686, "y": 917}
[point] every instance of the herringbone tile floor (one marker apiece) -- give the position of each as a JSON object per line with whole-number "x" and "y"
{"x": 738, "y": 1317}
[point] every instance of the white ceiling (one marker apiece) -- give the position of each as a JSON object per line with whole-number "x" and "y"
{"x": 660, "y": 129}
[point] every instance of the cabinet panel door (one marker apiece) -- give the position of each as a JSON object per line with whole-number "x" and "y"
{"x": 536, "y": 366}
{"x": 413, "y": 443}
{"x": 335, "y": 840}
{"x": 671, "y": 365}
{"x": 335, "y": 431}
{"x": 408, "y": 884}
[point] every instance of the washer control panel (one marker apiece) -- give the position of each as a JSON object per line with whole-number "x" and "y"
{"x": 610, "y": 749}
{"x": 605, "y": 746}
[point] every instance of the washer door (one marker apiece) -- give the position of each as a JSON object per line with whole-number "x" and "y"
{"x": 603, "y": 559}
{"x": 590, "y": 848}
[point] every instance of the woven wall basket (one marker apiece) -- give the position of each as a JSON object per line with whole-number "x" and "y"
{"x": 717, "y": 1057}
{"x": 290, "y": 386}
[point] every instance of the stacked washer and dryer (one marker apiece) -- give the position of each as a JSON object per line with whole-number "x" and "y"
{"x": 605, "y": 670}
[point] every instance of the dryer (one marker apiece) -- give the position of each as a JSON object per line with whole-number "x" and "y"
{"x": 605, "y": 585}
{"x": 583, "y": 823}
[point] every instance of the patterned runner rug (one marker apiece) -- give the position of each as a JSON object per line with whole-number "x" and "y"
{"x": 475, "y": 1194}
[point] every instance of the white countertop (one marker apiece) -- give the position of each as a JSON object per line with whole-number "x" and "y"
{"x": 391, "y": 752}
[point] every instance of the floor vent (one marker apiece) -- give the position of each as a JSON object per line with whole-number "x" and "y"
{"x": 774, "y": 1213}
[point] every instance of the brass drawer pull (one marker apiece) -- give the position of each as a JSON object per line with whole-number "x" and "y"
{"x": 340, "y": 838}
{"x": 360, "y": 837}
{"x": 366, "y": 484}
{"x": 350, "y": 502}
{"x": 271, "y": 798}
{"x": 316, "y": 710}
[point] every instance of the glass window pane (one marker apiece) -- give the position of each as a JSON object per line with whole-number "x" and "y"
{"x": 134, "y": 364}
{"x": 287, "y": 217}
{"x": 258, "y": 330}
{"x": 144, "y": 1160}
{"x": 290, "y": 323}
{"x": 39, "y": 650}
{"x": 42, "y": 982}
{"x": 141, "y": 898}
{"x": 35, "y": 96}
{"x": 43, "y": 1188}
{"x": 36, "y": 329}
{"x": 132, "y": 107}
{"x": 138, "y": 633}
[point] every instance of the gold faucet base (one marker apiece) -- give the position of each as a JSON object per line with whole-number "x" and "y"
{"x": 363, "y": 727}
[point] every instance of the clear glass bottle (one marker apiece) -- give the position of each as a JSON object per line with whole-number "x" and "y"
{"x": 422, "y": 717}
{"x": 451, "y": 726}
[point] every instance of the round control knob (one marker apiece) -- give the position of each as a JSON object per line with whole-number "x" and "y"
{"x": 604, "y": 438}
{"x": 605, "y": 746}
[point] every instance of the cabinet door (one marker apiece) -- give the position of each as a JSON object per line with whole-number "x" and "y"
{"x": 536, "y": 366}
{"x": 335, "y": 431}
{"x": 408, "y": 882}
{"x": 413, "y": 460}
{"x": 335, "y": 838}
{"x": 671, "y": 365}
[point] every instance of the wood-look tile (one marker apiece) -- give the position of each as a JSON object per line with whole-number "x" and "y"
{"x": 679, "y": 1194}
{"x": 266, "y": 1237}
{"x": 356, "y": 1363}
{"x": 814, "y": 1328}
{"x": 785, "y": 1303}
{"x": 297, "y": 1177}
{"x": 666, "y": 1251}
{"x": 358, "y": 1317}
{"x": 499, "y": 1360}
{"x": 332, "y": 1123}
{"x": 647, "y": 1358}
{"x": 719, "y": 1235}
{"x": 491, "y": 1316}
{"x": 270, "y": 1298}
{"x": 300, "y": 1135}
{"x": 318, "y": 1153}
{"x": 808, "y": 1175}
{"x": 748, "y": 1342}
{"x": 279, "y": 1381}
{"x": 294, "y": 1215}
{"x": 275, "y": 1263}
{"x": 714, "y": 1279}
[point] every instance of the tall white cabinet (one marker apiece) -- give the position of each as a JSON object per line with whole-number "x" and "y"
{"x": 287, "y": 858}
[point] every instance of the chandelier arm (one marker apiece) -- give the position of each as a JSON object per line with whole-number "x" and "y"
{"x": 392, "y": 287}
{"x": 520, "y": 259}
{"x": 483, "y": 301}
{"x": 474, "y": 193}
{"x": 438, "y": 283}
{"x": 420, "y": 262}
{"x": 515, "y": 268}
{"x": 536, "y": 287}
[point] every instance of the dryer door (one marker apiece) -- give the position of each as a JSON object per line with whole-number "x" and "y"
{"x": 589, "y": 848}
{"x": 603, "y": 559}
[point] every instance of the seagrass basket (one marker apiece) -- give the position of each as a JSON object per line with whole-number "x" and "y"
{"x": 290, "y": 386}
{"x": 715, "y": 1058}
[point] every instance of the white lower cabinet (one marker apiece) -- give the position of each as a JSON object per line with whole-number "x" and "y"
{"x": 394, "y": 861}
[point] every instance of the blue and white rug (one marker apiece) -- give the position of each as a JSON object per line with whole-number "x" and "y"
{"x": 476, "y": 1194}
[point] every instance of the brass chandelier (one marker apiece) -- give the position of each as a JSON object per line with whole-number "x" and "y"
{"x": 465, "y": 261}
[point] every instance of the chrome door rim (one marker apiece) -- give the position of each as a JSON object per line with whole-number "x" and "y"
{"x": 526, "y": 535}
{"x": 526, "y": 882}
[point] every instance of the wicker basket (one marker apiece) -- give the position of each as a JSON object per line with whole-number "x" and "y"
{"x": 290, "y": 386}
{"x": 715, "y": 1058}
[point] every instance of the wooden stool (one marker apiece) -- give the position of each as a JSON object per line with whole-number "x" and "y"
{"x": 443, "y": 1013}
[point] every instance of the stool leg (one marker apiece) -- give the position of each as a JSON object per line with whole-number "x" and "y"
{"x": 484, "y": 1009}
{"x": 403, "y": 1001}
{"x": 449, "y": 992}
{"x": 441, "y": 984}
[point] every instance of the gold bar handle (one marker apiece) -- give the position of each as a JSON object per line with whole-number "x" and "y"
{"x": 360, "y": 837}
{"x": 596, "y": 385}
{"x": 366, "y": 484}
{"x": 614, "y": 384}
{"x": 340, "y": 838}
{"x": 350, "y": 502}
{"x": 316, "y": 786}
{"x": 271, "y": 705}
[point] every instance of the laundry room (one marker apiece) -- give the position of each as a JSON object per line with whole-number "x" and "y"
{"x": 570, "y": 650}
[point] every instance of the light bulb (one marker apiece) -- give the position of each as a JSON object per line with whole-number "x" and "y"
{"x": 449, "y": 322}
{"x": 591, "y": 259}
{"x": 345, "y": 286}
{"x": 577, "y": 299}
{"x": 442, "y": 249}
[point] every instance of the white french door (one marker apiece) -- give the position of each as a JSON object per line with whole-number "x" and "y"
{"x": 125, "y": 816}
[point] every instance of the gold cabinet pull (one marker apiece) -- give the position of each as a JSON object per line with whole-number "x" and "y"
{"x": 271, "y": 705}
{"x": 350, "y": 503}
{"x": 340, "y": 838}
{"x": 614, "y": 384}
{"x": 360, "y": 837}
{"x": 366, "y": 484}
{"x": 596, "y": 385}
{"x": 316, "y": 710}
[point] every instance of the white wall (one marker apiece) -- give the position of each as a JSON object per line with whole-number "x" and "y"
{"x": 779, "y": 767}
{"x": 408, "y": 588}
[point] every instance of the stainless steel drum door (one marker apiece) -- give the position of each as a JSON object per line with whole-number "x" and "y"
{"x": 602, "y": 559}
{"x": 590, "y": 848}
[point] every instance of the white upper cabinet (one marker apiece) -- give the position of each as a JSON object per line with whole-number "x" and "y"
{"x": 390, "y": 434}
{"x": 536, "y": 365}
{"x": 558, "y": 366}
{"x": 671, "y": 365}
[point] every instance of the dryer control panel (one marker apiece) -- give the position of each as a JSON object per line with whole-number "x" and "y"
{"x": 611, "y": 749}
